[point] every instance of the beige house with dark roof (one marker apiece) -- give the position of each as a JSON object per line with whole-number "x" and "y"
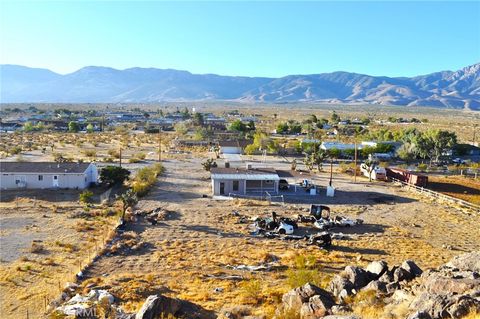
{"x": 42, "y": 175}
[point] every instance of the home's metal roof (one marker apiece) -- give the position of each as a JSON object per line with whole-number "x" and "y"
{"x": 235, "y": 143}
{"x": 265, "y": 174}
{"x": 43, "y": 167}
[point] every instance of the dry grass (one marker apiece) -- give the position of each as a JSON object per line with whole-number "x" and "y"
{"x": 457, "y": 186}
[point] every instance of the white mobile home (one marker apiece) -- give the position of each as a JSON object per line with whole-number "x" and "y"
{"x": 41, "y": 175}
{"x": 226, "y": 181}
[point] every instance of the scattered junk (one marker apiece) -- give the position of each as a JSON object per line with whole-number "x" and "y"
{"x": 252, "y": 268}
{"x": 307, "y": 185}
{"x": 323, "y": 239}
{"x": 320, "y": 218}
{"x": 283, "y": 226}
{"x": 155, "y": 215}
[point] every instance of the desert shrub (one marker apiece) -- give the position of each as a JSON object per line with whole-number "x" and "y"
{"x": 251, "y": 291}
{"x": 90, "y": 153}
{"x": 86, "y": 197}
{"x": 146, "y": 178}
{"x": 36, "y": 248}
{"x": 299, "y": 277}
{"x": 114, "y": 153}
{"x": 112, "y": 175}
{"x": 422, "y": 167}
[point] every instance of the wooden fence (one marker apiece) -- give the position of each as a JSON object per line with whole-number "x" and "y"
{"x": 433, "y": 194}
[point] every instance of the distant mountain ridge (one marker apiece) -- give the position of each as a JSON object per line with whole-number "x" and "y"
{"x": 453, "y": 89}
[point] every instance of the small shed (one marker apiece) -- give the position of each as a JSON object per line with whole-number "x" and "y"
{"x": 254, "y": 181}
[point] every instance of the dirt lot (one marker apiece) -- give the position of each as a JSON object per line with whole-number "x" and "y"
{"x": 43, "y": 245}
{"x": 456, "y": 186}
{"x": 192, "y": 254}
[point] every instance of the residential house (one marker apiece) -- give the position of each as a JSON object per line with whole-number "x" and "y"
{"x": 233, "y": 147}
{"x": 40, "y": 175}
{"x": 239, "y": 181}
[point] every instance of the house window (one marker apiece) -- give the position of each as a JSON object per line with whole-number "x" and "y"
{"x": 40, "y": 177}
{"x": 55, "y": 177}
{"x": 235, "y": 186}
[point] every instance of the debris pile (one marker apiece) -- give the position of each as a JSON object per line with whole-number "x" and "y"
{"x": 126, "y": 242}
{"x": 155, "y": 215}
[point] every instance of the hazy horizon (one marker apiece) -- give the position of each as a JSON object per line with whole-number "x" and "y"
{"x": 266, "y": 39}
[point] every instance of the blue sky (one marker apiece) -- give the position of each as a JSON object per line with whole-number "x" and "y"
{"x": 243, "y": 38}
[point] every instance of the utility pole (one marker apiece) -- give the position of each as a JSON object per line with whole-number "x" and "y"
{"x": 474, "y": 133}
{"x": 159, "y": 143}
{"x": 355, "y": 168}
{"x": 331, "y": 172}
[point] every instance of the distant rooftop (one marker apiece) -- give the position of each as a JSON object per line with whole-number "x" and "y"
{"x": 43, "y": 167}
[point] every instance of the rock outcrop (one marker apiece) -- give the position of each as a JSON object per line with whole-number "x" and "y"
{"x": 449, "y": 292}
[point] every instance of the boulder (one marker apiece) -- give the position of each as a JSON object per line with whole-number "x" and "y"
{"x": 446, "y": 305}
{"x": 359, "y": 277}
{"x": 339, "y": 284}
{"x": 341, "y": 317}
{"x": 440, "y": 283}
{"x": 317, "y": 306}
{"x": 158, "y": 305}
{"x": 296, "y": 297}
{"x": 419, "y": 315}
{"x": 376, "y": 285}
{"x": 466, "y": 262}
{"x": 401, "y": 274}
{"x": 412, "y": 268}
{"x": 377, "y": 268}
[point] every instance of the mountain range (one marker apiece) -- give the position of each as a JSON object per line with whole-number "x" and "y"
{"x": 451, "y": 89}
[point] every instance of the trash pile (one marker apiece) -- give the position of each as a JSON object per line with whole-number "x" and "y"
{"x": 154, "y": 215}
{"x": 320, "y": 218}
{"x": 126, "y": 242}
{"x": 282, "y": 226}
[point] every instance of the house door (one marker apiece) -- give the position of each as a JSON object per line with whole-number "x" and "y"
{"x": 222, "y": 188}
{"x": 20, "y": 180}
{"x": 55, "y": 180}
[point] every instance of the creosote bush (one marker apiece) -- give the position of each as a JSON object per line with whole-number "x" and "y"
{"x": 146, "y": 178}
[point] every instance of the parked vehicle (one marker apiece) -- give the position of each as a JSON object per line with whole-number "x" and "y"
{"x": 458, "y": 160}
{"x": 407, "y": 176}
{"x": 378, "y": 173}
{"x": 283, "y": 184}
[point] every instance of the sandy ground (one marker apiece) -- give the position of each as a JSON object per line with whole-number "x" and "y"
{"x": 30, "y": 278}
{"x": 203, "y": 239}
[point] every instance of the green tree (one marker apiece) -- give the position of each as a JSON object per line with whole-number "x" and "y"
{"x": 73, "y": 127}
{"x": 28, "y": 127}
{"x": 334, "y": 153}
{"x": 89, "y": 128}
{"x": 198, "y": 119}
{"x": 181, "y": 129}
{"x": 85, "y": 197}
{"x": 209, "y": 164}
{"x": 334, "y": 118}
{"x": 282, "y": 128}
{"x": 128, "y": 199}
{"x": 433, "y": 144}
{"x": 238, "y": 126}
{"x": 407, "y": 152}
{"x": 113, "y": 175}
{"x": 371, "y": 164}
